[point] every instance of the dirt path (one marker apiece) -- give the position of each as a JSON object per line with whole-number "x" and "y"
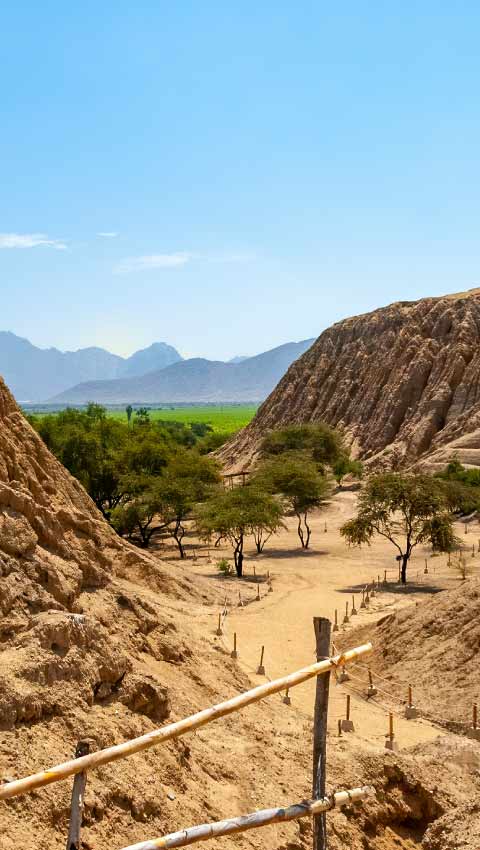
{"x": 315, "y": 583}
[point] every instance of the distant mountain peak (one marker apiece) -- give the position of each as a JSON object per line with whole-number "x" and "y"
{"x": 194, "y": 380}
{"x": 35, "y": 374}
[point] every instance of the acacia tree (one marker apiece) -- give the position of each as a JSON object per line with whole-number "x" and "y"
{"x": 234, "y": 514}
{"x": 298, "y": 480}
{"x": 187, "y": 480}
{"x": 406, "y": 510}
{"x": 140, "y": 515}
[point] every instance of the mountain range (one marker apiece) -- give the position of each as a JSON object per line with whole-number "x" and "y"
{"x": 194, "y": 380}
{"x": 154, "y": 374}
{"x": 36, "y": 374}
{"x": 401, "y": 383}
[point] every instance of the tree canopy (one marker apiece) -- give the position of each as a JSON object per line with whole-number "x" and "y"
{"x": 319, "y": 442}
{"x": 406, "y": 510}
{"x": 233, "y": 514}
{"x": 298, "y": 481}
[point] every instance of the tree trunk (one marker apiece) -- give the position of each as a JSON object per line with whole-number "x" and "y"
{"x": 404, "y": 568}
{"x": 300, "y": 531}
{"x": 238, "y": 556}
{"x": 307, "y": 541}
{"x": 178, "y": 534}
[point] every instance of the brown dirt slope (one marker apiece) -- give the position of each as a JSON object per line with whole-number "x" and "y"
{"x": 435, "y": 646}
{"x": 401, "y": 382}
{"x": 99, "y": 640}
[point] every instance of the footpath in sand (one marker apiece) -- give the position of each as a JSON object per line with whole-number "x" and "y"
{"x": 315, "y": 583}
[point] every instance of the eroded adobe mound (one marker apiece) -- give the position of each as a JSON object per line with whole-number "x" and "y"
{"x": 435, "y": 646}
{"x": 402, "y": 383}
{"x": 99, "y": 640}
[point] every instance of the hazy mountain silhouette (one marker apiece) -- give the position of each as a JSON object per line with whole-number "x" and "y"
{"x": 35, "y": 374}
{"x": 195, "y": 380}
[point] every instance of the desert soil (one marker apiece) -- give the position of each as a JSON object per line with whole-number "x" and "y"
{"x": 317, "y": 582}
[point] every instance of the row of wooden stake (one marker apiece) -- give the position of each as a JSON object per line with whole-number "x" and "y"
{"x": 410, "y": 710}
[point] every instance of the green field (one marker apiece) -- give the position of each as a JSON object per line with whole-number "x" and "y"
{"x": 223, "y": 418}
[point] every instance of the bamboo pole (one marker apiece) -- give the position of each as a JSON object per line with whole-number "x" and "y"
{"x": 264, "y": 817}
{"x": 180, "y": 727}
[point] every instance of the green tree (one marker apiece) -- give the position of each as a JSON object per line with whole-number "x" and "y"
{"x": 346, "y": 466}
{"x": 463, "y": 486}
{"x": 318, "y": 441}
{"x": 137, "y": 516}
{"x": 142, "y": 416}
{"x": 188, "y": 479}
{"x": 234, "y": 514}
{"x": 90, "y": 445}
{"x": 300, "y": 483}
{"x": 406, "y": 510}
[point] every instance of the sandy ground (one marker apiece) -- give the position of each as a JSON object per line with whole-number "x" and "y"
{"x": 315, "y": 583}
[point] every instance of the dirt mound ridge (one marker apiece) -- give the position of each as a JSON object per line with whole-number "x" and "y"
{"x": 101, "y": 641}
{"x": 401, "y": 382}
{"x": 435, "y": 646}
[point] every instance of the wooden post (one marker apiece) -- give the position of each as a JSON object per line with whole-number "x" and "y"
{"x": 335, "y": 625}
{"x": 347, "y": 723}
{"x": 322, "y": 628}
{"x": 346, "y": 618}
{"x": 474, "y": 731}
{"x": 234, "y": 652}
{"x": 390, "y": 743}
{"x": 286, "y": 698}
{"x": 258, "y": 593}
{"x": 219, "y": 627}
{"x": 384, "y": 576}
{"x": 78, "y": 795}
{"x": 410, "y": 710}
{"x": 371, "y": 690}
{"x": 354, "y": 610}
{"x": 261, "y": 668}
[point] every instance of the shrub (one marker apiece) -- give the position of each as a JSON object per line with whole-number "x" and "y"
{"x": 224, "y": 567}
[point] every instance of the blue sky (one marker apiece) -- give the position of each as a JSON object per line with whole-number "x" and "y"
{"x": 263, "y": 169}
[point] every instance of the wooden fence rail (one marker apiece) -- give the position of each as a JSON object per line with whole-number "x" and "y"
{"x": 264, "y": 817}
{"x": 181, "y": 727}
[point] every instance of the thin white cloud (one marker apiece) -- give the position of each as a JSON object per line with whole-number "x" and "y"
{"x": 30, "y": 240}
{"x": 174, "y": 260}
{"x": 108, "y": 234}
{"x": 153, "y": 261}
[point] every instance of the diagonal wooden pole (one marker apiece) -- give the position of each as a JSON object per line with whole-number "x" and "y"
{"x": 264, "y": 817}
{"x": 323, "y": 628}
{"x": 181, "y": 727}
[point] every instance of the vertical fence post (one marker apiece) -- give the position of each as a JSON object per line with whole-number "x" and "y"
{"x": 323, "y": 629}
{"x": 78, "y": 794}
